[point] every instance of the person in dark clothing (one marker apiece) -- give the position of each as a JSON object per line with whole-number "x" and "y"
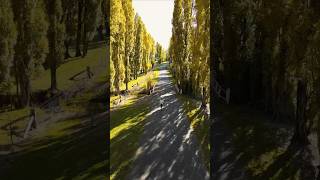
{"x": 161, "y": 102}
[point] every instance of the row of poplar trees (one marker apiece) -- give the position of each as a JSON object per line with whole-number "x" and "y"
{"x": 133, "y": 50}
{"x": 189, "y": 48}
{"x": 268, "y": 53}
{"x": 37, "y": 34}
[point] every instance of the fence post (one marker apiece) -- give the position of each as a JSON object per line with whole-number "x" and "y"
{"x": 11, "y": 135}
{"x": 89, "y": 73}
{"x": 32, "y": 122}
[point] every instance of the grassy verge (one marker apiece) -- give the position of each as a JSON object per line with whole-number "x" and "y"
{"x": 199, "y": 123}
{"x": 126, "y": 127}
{"x": 141, "y": 81}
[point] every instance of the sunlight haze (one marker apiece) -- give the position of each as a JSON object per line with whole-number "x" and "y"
{"x": 157, "y": 16}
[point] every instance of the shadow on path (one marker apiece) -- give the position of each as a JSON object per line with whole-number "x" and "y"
{"x": 168, "y": 148}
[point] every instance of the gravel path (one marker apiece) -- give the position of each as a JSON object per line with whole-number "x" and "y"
{"x": 168, "y": 148}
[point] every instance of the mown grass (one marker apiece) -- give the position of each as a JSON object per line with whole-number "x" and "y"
{"x": 141, "y": 81}
{"x": 21, "y": 117}
{"x": 95, "y": 57}
{"x": 69, "y": 148}
{"x": 200, "y": 124}
{"x": 126, "y": 127}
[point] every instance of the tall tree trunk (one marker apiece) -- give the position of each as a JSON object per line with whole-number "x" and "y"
{"x": 66, "y": 45}
{"x": 84, "y": 34}
{"x": 17, "y": 84}
{"x": 229, "y": 47}
{"x": 126, "y": 71}
{"x": 53, "y": 71}
{"x": 100, "y": 31}
{"x": 213, "y": 74}
{"x": 204, "y": 102}
{"x": 79, "y": 28}
{"x": 302, "y": 130}
{"x": 25, "y": 90}
{"x": 281, "y": 70}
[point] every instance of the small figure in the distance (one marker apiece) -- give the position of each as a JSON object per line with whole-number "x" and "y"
{"x": 161, "y": 102}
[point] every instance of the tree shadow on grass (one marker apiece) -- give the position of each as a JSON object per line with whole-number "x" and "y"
{"x": 75, "y": 151}
{"x": 82, "y": 153}
{"x": 285, "y": 166}
{"x": 126, "y": 126}
{"x": 246, "y": 148}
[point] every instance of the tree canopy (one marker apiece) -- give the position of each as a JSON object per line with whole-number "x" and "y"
{"x": 190, "y": 48}
{"x": 37, "y": 35}
{"x": 133, "y": 49}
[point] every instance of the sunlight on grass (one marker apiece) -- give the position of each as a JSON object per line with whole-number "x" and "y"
{"x": 20, "y": 125}
{"x": 259, "y": 164}
{"x": 92, "y": 174}
{"x": 78, "y": 103}
{"x": 129, "y": 122}
{"x": 66, "y": 145}
{"x": 141, "y": 81}
{"x": 69, "y": 69}
{"x": 6, "y": 117}
{"x": 126, "y": 124}
{"x": 60, "y": 128}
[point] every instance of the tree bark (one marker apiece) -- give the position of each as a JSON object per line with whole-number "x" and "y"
{"x": 302, "y": 130}
{"x": 66, "y": 45}
{"x": 213, "y": 74}
{"x": 78, "y": 42}
{"x": 84, "y": 34}
{"x": 53, "y": 71}
{"x": 126, "y": 71}
{"x": 25, "y": 91}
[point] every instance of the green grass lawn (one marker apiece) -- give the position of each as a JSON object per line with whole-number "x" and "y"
{"x": 69, "y": 148}
{"x": 22, "y": 121}
{"x": 126, "y": 127}
{"x": 141, "y": 80}
{"x": 73, "y": 66}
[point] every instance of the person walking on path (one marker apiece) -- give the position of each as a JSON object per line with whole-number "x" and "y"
{"x": 161, "y": 102}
